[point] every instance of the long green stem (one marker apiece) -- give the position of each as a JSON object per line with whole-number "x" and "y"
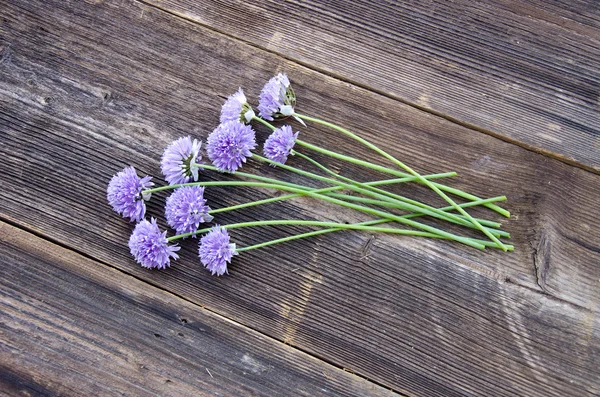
{"x": 465, "y": 240}
{"x": 332, "y": 226}
{"x": 394, "y": 197}
{"x": 410, "y": 171}
{"x": 390, "y": 171}
{"x": 405, "y": 206}
{"x": 264, "y": 122}
{"x": 431, "y": 211}
{"x": 330, "y": 189}
{"x": 266, "y": 182}
{"x": 346, "y": 197}
{"x": 384, "y": 192}
{"x": 323, "y": 231}
{"x": 324, "y": 190}
{"x": 398, "y": 173}
{"x": 489, "y": 224}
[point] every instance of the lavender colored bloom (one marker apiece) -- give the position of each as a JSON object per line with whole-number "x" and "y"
{"x": 186, "y": 209}
{"x": 179, "y": 163}
{"x": 277, "y": 98}
{"x": 150, "y": 247}
{"x": 236, "y": 108}
{"x": 279, "y": 144}
{"x": 124, "y": 194}
{"x": 229, "y": 145}
{"x": 216, "y": 251}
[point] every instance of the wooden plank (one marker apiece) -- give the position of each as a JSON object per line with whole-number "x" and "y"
{"x": 72, "y": 326}
{"x": 149, "y": 105}
{"x": 527, "y": 72}
{"x": 419, "y": 316}
{"x": 579, "y": 16}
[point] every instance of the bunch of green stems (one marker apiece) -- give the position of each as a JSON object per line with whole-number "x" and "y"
{"x": 366, "y": 197}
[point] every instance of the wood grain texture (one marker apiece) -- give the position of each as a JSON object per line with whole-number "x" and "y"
{"x": 72, "y": 326}
{"x": 88, "y": 89}
{"x": 527, "y": 72}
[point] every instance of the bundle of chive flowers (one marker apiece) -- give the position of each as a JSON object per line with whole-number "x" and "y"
{"x": 233, "y": 142}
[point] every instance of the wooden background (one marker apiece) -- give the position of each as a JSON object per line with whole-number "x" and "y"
{"x": 504, "y": 92}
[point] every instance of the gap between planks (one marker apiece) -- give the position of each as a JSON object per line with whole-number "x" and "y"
{"x": 471, "y": 126}
{"x": 53, "y": 241}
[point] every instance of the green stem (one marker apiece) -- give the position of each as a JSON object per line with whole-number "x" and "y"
{"x": 450, "y": 217}
{"x": 332, "y": 226}
{"x": 367, "y": 164}
{"x": 290, "y": 196}
{"x": 466, "y": 219}
{"x": 341, "y": 185}
{"x": 492, "y": 225}
{"x": 410, "y": 171}
{"x": 465, "y": 240}
{"x": 213, "y": 183}
{"x": 390, "y": 171}
{"x": 264, "y": 122}
{"x": 346, "y": 197}
{"x": 431, "y": 211}
{"x": 324, "y": 190}
{"x": 393, "y": 197}
{"x": 323, "y": 231}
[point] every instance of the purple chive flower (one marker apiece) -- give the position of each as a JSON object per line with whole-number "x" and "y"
{"x": 279, "y": 144}
{"x": 236, "y": 108}
{"x": 229, "y": 145}
{"x": 124, "y": 194}
{"x": 277, "y": 98}
{"x": 149, "y": 246}
{"x": 186, "y": 209}
{"x": 179, "y": 163}
{"x": 216, "y": 251}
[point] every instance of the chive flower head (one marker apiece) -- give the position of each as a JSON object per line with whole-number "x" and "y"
{"x": 124, "y": 194}
{"x": 180, "y": 161}
{"x": 279, "y": 144}
{"x": 216, "y": 251}
{"x": 149, "y": 246}
{"x": 277, "y": 98}
{"x": 229, "y": 145}
{"x": 236, "y": 108}
{"x": 186, "y": 209}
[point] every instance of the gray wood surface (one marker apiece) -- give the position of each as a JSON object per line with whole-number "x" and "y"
{"x": 524, "y": 71}
{"x": 73, "y": 326}
{"x": 86, "y": 89}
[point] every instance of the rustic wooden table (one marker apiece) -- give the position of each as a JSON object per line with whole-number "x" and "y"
{"x": 504, "y": 92}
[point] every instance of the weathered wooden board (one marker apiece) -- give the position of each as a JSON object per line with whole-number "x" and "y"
{"x": 528, "y": 72}
{"x": 87, "y": 89}
{"x": 72, "y": 326}
{"x": 579, "y": 16}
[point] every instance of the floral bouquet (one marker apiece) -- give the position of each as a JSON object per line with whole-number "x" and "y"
{"x": 232, "y": 143}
